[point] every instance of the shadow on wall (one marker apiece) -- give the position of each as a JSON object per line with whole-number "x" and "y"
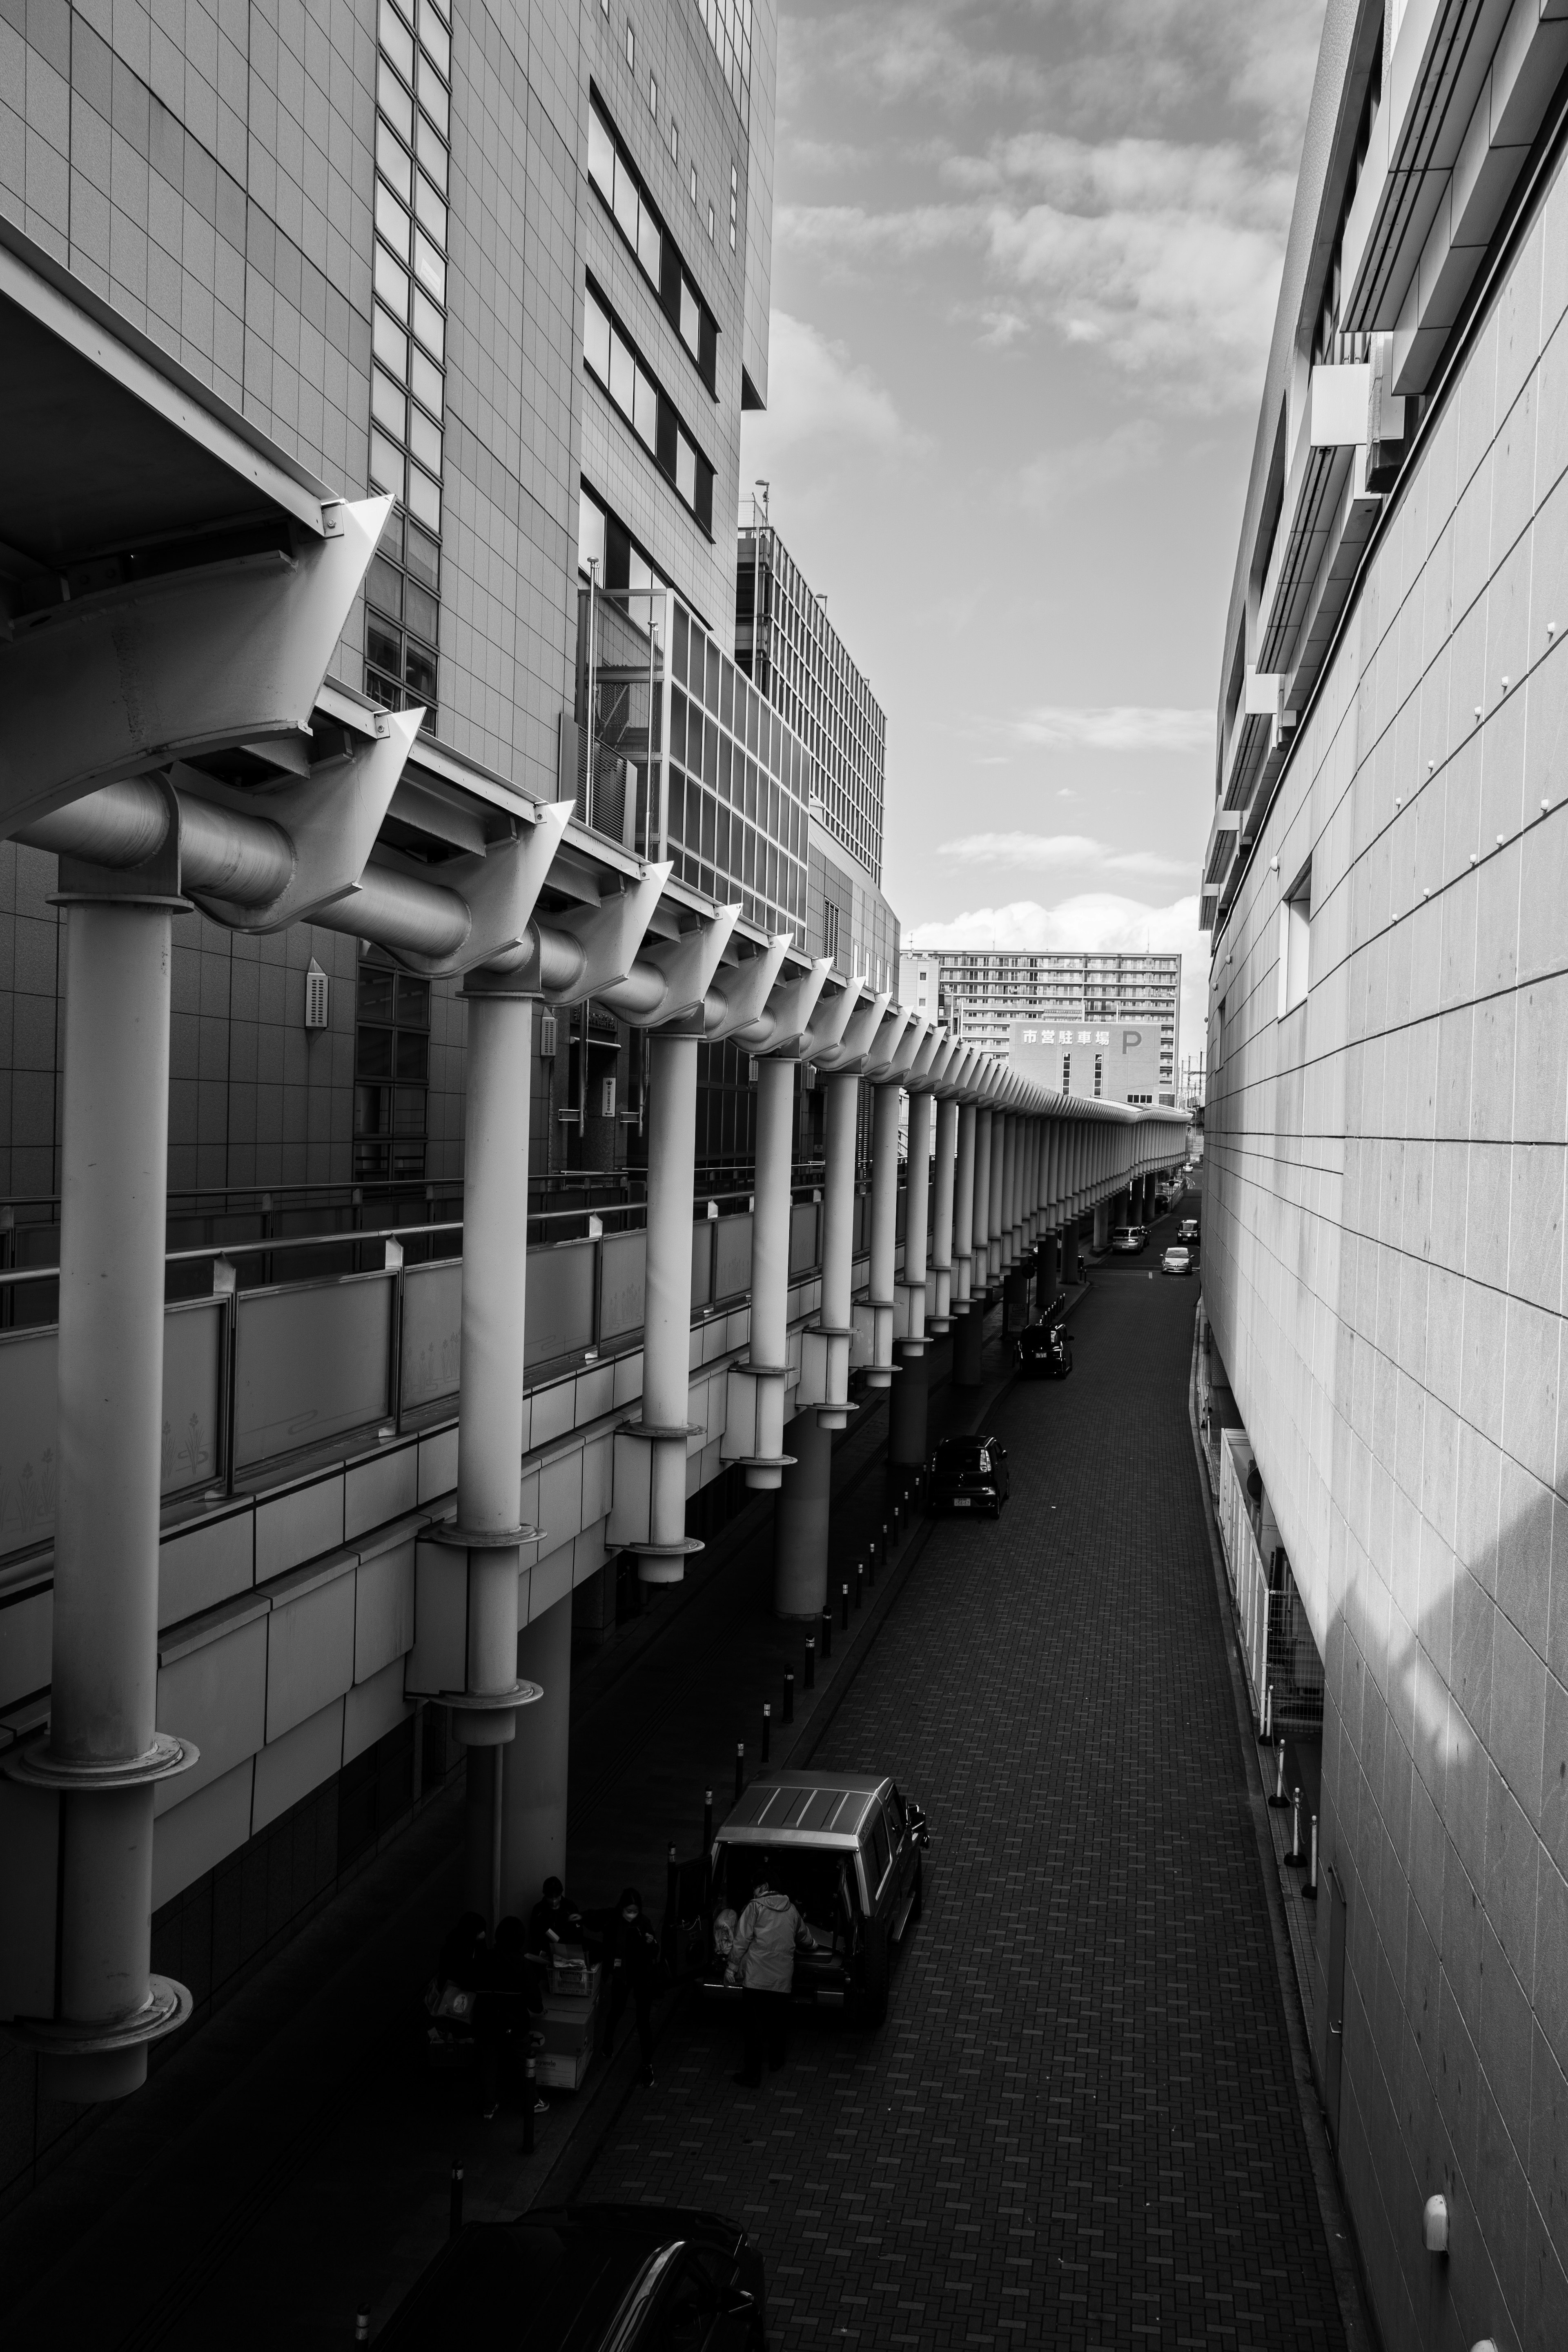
{"x": 1441, "y": 1931}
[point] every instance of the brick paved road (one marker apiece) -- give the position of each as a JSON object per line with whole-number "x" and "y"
{"x": 1079, "y": 2125}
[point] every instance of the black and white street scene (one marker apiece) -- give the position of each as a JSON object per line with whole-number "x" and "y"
{"x": 784, "y": 1163}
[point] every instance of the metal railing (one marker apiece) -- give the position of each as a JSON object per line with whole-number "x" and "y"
{"x": 259, "y": 1374}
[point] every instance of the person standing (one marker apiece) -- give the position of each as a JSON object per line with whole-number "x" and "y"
{"x": 768, "y": 1934}
{"x": 631, "y": 1965}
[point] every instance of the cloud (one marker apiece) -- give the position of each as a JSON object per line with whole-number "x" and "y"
{"x": 1093, "y": 921}
{"x": 818, "y": 394}
{"x": 1052, "y": 849}
{"x": 1056, "y": 475}
{"x": 1113, "y": 727}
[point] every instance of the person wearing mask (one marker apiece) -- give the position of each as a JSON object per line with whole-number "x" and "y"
{"x": 768, "y": 1934}
{"x": 630, "y": 1945}
{"x": 554, "y": 1920}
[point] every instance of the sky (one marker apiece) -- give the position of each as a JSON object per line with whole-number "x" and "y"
{"x": 1026, "y": 261}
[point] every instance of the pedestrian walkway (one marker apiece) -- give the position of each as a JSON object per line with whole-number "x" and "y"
{"x": 1079, "y": 2125}
{"x": 290, "y": 2162}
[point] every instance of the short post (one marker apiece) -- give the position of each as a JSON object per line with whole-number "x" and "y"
{"x": 809, "y": 1678}
{"x": 843, "y": 1609}
{"x": 455, "y": 2211}
{"x": 827, "y": 1635}
{"x": 767, "y": 1730}
{"x": 887, "y": 1548}
{"x": 707, "y": 1820}
{"x": 1296, "y": 1856}
{"x": 739, "y": 1767}
{"x": 529, "y": 2092}
{"x": 1309, "y": 1892}
{"x": 859, "y": 1583}
{"x": 871, "y": 1563}
{"x": 361, "y": 2327}
{"x": 789, "y": 1695}
{"x": 1280, "y": 1800}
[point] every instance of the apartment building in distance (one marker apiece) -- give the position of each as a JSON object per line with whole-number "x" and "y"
{"x": 1124, "y": 1007}
{"x": 1386, "y": 1139}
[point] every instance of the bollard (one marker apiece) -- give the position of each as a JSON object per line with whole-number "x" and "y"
{"x": 529, "y": 2092}
{"x": 454, "y": 2212}
{"x": 1280, "y": 1800}
{"x": 789, "y": 1695}
{"x": 844, "y": 1610}
{"x": 827, "y": 1635}
{"x": 1296, "y": 1857}
{"x": 767, "y": 1730}
{"x": 810, "y": 1676}
{"x": 707, "y": 1820}
{"x": 739, "y": 1767}
{"x": 871, "y": 1566}
{"x": 1309, "y": 1892}
{"x": 859, "y": 1583}
{"x": 887, "y": 1551}
{"x": 361, "y": 2327}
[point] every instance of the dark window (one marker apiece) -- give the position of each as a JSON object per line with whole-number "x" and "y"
{"x": 689, "y": 2311}
{"x": 393, "y": 1043}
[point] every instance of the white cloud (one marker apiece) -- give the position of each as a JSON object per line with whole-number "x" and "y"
{"x": 818, "y": 395}
{"x": 1113, "y": 727}
{"x": 1056, "y": 475}
{"x": 1046, "y": 850}
{"x": 1093, "y": 921}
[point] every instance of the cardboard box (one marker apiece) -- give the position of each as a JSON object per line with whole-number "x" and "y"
{"x": 559, "y": 2071}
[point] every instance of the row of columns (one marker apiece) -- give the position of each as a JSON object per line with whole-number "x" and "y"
{"x": 1005, "y": 1174}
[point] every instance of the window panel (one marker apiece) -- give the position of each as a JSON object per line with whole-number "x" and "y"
{"x": 392, "y": 220}
{"x": 424, "y": 380}
{"x": 685, "y": 468}
{"x": 394, "y": 100}
{"x": 597, "y": 336}
{"x": 435, "y": 40}
{"x": 382, "y": 645}
{"x": 425, "y": 441}
{"x": 412, "y": 1058}
{"x": 386, "y": 464}
{"x": 396, "y": 40}
{"x": 383, "y": 586}
{"x": 391, "y": 343}
{"x": 423, "y": 497}
{"x": 623, "y": 375}
{"x": 420, "y": 670}
{"x": 690, "y": 320}
{"x": 432, "y": 154}
{"x": 421, "y": 612}
{"x": 645, "y": 410}
{"x": 429, "y": 325}
{"x": 651, "y": 245}
{"x": 391, "y": 158}
{"x": 629, "y": 203}
{"x": 424, "y": 559}
{"x": 373, "y": 1053}
{"x": 431, "y": 211}
{"x": 429, "y": 267}
{"x": 387, "y": 404}
{"x": 434, "y": 100}
{"x": 601, "y": 153}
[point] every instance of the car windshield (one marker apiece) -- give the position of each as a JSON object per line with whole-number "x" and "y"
{"x": 540, "y": 2290}
{"x": 955, "y": 1454}
{"x": 816, "y": 1883}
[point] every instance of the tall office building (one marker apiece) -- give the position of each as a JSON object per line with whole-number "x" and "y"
{"x": 1385, "y": 1137}
{"x": 1121, "y": 995}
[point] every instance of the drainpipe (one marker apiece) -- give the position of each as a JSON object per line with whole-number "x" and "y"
{"x": 102, "y": 1754}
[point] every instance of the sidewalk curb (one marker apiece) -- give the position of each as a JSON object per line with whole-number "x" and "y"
{"x": 1344, "y": 2253}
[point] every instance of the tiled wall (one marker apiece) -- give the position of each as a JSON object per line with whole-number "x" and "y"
{"x": 1384, "y": 1269}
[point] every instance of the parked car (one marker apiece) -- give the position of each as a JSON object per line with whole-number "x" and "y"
{"x": 589, "y": 2278}
{"x": 1045, "y": 1351}
{"x": 968, "y": 1473}
{"x": 1187, "y": 1230}
{"x": 1128, "y": 1241}
{"x": 1176, "y": 1260}
{"x": 845, "y": 1848}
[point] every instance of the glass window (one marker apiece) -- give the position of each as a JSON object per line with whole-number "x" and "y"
{"x": 383, "y": 586}
{"x": 596, "y": 352}
{"x": 435, "y": 40}
{"x": 432, "y": 154}
{"x": 424, "y": 559}
{"x": 628, "y": 203}
{"x": 623, "y": 375}
{"x": 645, "y": 410}
{"x": 431, "y": 211}
{"x": 394, "y": 100}
{"x": 429, "y": 267}
{"x": 392, "y": 160}
{"x": 601, "y": 153}
{"x": 425, "y": 380}
{"x": 391, "y": 343}
{"x": 374, "y": 1053}
{"x": 425, "y": 498}
{"x": 690, "y": 320}
{"x": 392, "y": 220}
{"x": 421, "y": 612}
{"x": 428, "y": 324}
{"x": 387, "y": 404}
{"x": 651, "y": 245}
{"x": 880, "y": 1857}
{"x": 386, "y": 464}
{"x": 425, "y": 441}
{"x": 396, "y": 40}
{"x": 653, "y": 96}
{"x": 434, "y": 100}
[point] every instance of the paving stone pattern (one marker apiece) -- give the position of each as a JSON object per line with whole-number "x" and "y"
{"x": 1079, "y": 2125}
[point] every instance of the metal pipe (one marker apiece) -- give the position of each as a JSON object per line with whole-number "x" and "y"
{"x": 963, "y": 1206}
{"x": 980, "y": 1271}
{"x": 942, "y": 1213}
{"x": 398, "y": 911}
{"x": 667, "y": 1314}
{"x": 916, "y": 1212}
{"x": 997, "y": 1173}
{"x": 234, "y": 855}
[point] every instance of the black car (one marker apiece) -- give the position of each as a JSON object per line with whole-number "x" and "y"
{"x": 1045, "y": 1351}
{"x": 589, "y": 2278}
{"x": 970, "y": 1474}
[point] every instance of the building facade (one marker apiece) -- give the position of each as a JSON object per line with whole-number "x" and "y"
{"x": 989, "y": 991}
{"x": 1385, "y": 1132}
{"x": 1115, "y": 1061}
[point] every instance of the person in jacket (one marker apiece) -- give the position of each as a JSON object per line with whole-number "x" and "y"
{"x": 509, "y": 1999}
{"x": 768, "y": 1934}
{"x": 630, "y": 1947}
{"x": 554, "y": 1919}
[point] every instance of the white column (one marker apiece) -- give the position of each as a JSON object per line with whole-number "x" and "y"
{"x": 757, "y": 1388}
{"x": 917, "y": 1219}
{"x": 884, "y": 1228}
{"x": 942, "y": 1213}
{"x": 667, "y": 1308}
{"x": 985, "y": 1137}
{"x": 963, "y": 1209}
{"x": 835, "y": 1320}
{"x": 103, "y": 1751}
{"x": 1007, "y": 1253}
{"x": 998, "y": 1170}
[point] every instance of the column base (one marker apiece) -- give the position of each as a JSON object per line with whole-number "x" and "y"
{"x": 663, "y": 1563}
{"x": 488, "y": 1718}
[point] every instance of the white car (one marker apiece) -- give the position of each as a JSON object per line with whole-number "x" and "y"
{"x": 1176, "y": 1260}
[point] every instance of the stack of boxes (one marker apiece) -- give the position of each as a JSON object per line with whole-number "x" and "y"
{"x": 568, "y": 2020}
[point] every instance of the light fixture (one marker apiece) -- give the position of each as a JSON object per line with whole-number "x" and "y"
{"x": 1435, "y": 2225}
